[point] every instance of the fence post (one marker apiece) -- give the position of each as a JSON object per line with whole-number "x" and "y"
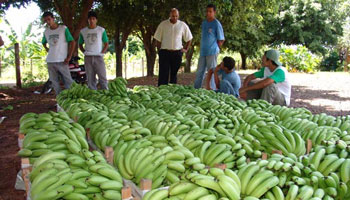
{"x": 18, "y": 67}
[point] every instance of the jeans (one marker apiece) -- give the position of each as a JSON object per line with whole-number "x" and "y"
{"x": 204, "y": 64}
{"x": 227, "y": 88}
{"x": 169, "y": 65}
{"x": 63, "y": 69}
{"x": 95, "y": 65}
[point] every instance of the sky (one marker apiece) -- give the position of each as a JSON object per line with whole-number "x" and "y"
{"x": 20, "y": 19}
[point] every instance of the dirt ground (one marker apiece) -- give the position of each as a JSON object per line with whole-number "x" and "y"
{"x": 321, "y": 92}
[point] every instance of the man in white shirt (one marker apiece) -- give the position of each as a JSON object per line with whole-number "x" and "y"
{"x": 61, "y": 46}
{"x": 96, "y": 45}
{"x": 274, "y": 87}
{"x": 168, "y": 37}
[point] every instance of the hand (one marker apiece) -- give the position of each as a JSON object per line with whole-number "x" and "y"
{"x": 184, "y": 50}
{"x": 243, "y": 94}
{"x": 66, "y": 61}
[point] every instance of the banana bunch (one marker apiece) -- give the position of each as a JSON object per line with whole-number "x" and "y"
{"x": 67, "y": 138}
{"x": 137, "y": 159}
{"x": 41, "y": 122}
{"x": 225, "y": 183}
{"x": 57, "y": 175}
{"x": 256, "y": 180}
{"x": 273, "y": 137}
{"x": 118, "y": 87}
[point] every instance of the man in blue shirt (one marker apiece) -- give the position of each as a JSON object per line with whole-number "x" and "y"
{"x": 230, "y": 80}
{"x": 212, "y": 39}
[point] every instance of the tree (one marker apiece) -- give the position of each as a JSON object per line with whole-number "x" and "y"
{"x": 119, "y": 18}
{"x": 72, "y": 12}
{"x": 313, "y": 23}
{"x": 6, "y": 4}
{"x": 243, "y": 23}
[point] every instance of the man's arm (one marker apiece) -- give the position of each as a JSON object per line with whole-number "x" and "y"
{"x": 81, "y": 42}
{"x": 1, "y": 42}
{"x": 46, "y": 48}
{"x": 81, "y": 47}
{"x": 187, "y": 46}
{"x": 220, "y": 43}
{"x": 216, "y": 76}
{"x": 70, "y": 51}
{"x": 259, "y": 85}
{"x": 105, "y": 47}
{"x": 248, "y": 79}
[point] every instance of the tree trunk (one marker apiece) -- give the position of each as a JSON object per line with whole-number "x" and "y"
{"x": 118, "y": 55}
{"x": 189, "y": 56}
{"x": 150, "y": 49}
{"x": 119, "y": 46}
{"x": 244, "y": 60}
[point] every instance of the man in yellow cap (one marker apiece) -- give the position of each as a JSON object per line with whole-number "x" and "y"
{"x": 274, "y": 86}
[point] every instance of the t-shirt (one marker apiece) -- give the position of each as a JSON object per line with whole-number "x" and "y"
{"x": 93, "y": 39}
{"x": 170, "y": 35}
{"x": 211, "y": 33}
{"x": 58, "y": 43}
{"x": 281, "y": 79}
{"x": 233, "y": 78}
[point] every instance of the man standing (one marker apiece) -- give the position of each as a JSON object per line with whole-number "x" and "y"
{"x": 168, "y": 36}
{"x": 59, "y": 55}
{"x": 275, "y": 86}
{"x": 96, "y": 45}
{"x": 230, "y": 81}
{"x": 212, "y": 40}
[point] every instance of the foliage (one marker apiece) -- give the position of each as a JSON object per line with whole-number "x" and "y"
{"x": 14, "y": 3}
{"x": 331, "y": 62}
{"x": 243, "y": 23}
{"x": 299, "y": 59}
{"x": 313, "y": 23}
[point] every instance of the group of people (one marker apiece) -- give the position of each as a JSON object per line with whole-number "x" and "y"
{"x": 274, "y": 86}
{"x": 169, "y": 36}
{"x": 93, "y": 42}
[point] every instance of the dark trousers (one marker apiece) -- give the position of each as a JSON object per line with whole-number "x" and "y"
{"x": 169, "y": 65}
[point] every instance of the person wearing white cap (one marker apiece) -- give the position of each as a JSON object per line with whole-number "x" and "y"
{"x": 274, "y": 86}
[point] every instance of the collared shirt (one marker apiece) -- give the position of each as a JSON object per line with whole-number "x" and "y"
{"x": 170, "y": 35}
{"x": 58, "y": 43}
{"x": 211, "y": 33}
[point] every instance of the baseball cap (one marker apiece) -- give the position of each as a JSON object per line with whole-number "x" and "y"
{"x": 273, "y": 55}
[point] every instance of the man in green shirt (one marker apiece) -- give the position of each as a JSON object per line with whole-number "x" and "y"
{"x": 60, "y": 50}
{"x": 96, "y": 45}
{"x": 274, "y": 86}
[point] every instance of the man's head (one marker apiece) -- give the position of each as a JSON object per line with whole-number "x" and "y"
{"x": 271, "y": 59}
{"x": 211, "y": 11}
{"x": 49, "y": 19}
{"x": 174, "y": 15}
{"x": 92, "y": 18}
{"x": 228, "y": 64}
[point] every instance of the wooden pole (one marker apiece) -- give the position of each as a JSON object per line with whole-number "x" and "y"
{"x": 143, "y": 67}
{"x": 18, "y": 67}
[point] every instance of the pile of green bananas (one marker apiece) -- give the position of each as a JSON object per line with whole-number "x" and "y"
{"x": 176, "y": 135}
{"x": 63, "y": 166}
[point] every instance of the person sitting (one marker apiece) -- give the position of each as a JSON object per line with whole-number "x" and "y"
{"x": 230, "y": 81}
{"x": 275, "y": 87}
